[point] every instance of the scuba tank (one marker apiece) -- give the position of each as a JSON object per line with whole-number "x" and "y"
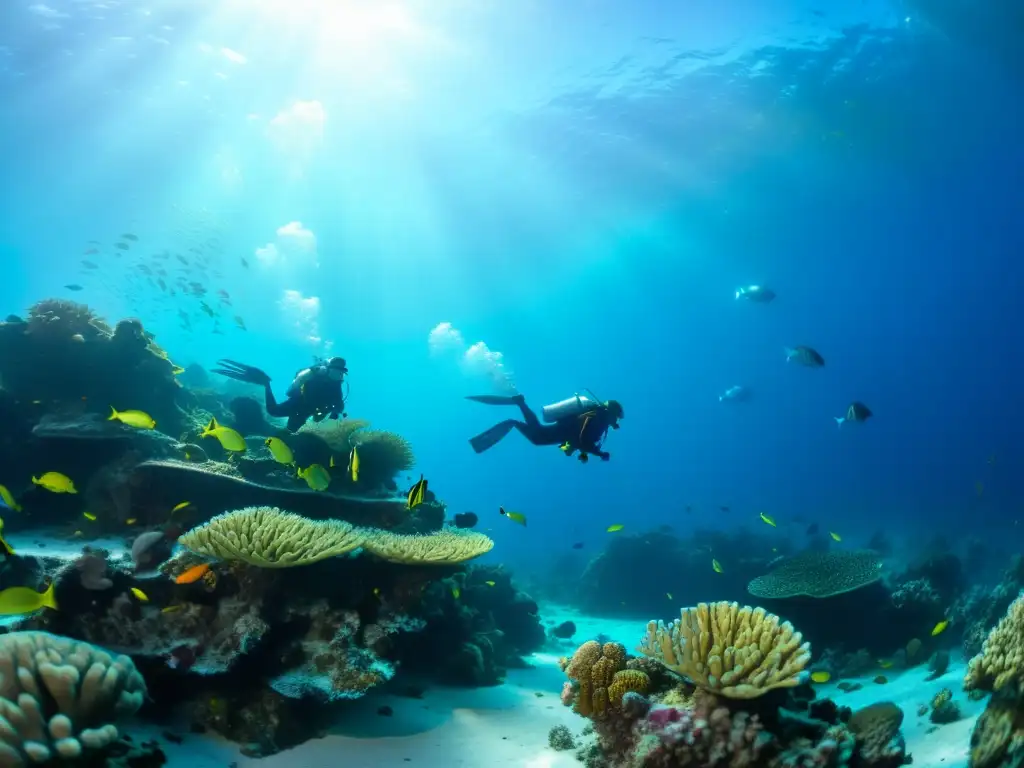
{"x": 576, "y": 405}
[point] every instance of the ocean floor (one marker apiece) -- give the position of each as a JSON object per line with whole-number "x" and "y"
{"x": 508, "y": 725}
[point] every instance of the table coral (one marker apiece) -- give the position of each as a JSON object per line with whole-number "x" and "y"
{"x": 445, "y": 547}
{"x": 270, "y": 538}
{"x": 819, "y": 574}
{"x": 737, "y": 652}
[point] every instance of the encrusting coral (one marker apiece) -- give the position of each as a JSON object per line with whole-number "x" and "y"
{"x": 740, "y": 653}
{"x": 59, "y": 696}
{"x": 444, "y": 547}
{"x": 1002, "y": 656}
{"x": 819, "y": 574}
{"x": 270, "y": 538}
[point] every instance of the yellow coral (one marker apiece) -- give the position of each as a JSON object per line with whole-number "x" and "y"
{"x": 1002, "y": 656}
{"x": 623, "y": 682}
{"x": 270, "y": 538}
{"x": 596, "y": 669}
{"x": 444, "y": 547}
{"x": 736, "y": 652}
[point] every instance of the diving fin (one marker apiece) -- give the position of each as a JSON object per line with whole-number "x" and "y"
{"x": 496, "y": 399}
{"x": 492, "y": 436}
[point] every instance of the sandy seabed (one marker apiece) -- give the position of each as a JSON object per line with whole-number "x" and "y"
{"x": 508, "y": 725}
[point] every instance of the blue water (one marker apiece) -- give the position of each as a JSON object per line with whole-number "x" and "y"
{"x": 581, "y": 188}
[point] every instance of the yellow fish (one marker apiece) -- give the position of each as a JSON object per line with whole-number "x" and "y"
{"x": 331, "y": 462}
{"x": 456, "y": 592}
{"x": 188, "y": 456}
{"x": 316, "y": 477}
{"x": 177, "y": 370}
{"x": 939, "y": 628}
{"x": 142, "y": 596}
{"x": 353, "y": 464}
{"x": 376, "y": 591}
{"x": 181, "y": 506}
{"x": 77, "y": 534}
{"x": 716, "y": 566}
{"x": 416, "y": 494}
{"x": 489, "y": 583}
{"x": 885, "y": 663}
{"x": 55, "y": 482}
{"x": 229, "y": 439}
{"x": 137, "y": 419}
{"x": 18, "y": 600}
{"x": 89, "y": 516}
{"x": 171, "y": 608}
{"x": 130, "y": 521}
{"x": 668, "y": 595}
{"x": 279, "y": 450}
{"x": 8, "y": 499}
{"x": 766, "y": 519}
{"x": 614, "y": 528}
{"x": 6, "y": 548}
{"x": 515, "y": 517}
{"x": 820, "y": 677}
{"x": 835, "y": 536}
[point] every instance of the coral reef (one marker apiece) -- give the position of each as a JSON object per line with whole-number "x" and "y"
{"x": 675, "y": 726}
{"x": 978, "y": 609}
{"x": 736, "y": 652}
{"x": 819, "y": 574}
{"x": 50, "y": 687}
{"x": 943, "y": 709}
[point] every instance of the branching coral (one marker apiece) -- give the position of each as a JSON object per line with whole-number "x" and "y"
{"x": 270, "y": 538}
{"x": 819, "y": 574}
{"x": 56, "y": 694}
{"x": 1002, "y": 656}
{"x": 444, "y": 547}
{"x": 740, "y": 653}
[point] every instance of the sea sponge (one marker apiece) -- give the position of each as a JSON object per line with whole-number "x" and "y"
{"x": 736, "y": 652}
{"x": 444, "y": 547}
{"x": 819, "y": 574}
{"x": 51, "y": 685}
{"x": 339, "y": 434}
{"x": 595, "y": 668}
{"x": 270, "y": 538}
{"x": 623, "y": 682}
{"x": 1002, "y": 655}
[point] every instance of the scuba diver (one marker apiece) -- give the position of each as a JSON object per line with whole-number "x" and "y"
{"x": 578, "y": 423}
{"x": 314, "y": 392}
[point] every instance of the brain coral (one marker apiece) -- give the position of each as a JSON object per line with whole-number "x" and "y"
{"x": 59, "y": 697}
{"x": 737, "y": 652}
{"x": 1002, "y": 656}
{"x": 819, "y": 574}
{"x": 270, "y": 538}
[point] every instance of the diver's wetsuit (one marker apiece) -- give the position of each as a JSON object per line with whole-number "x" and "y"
{"x": 316, "y": 397}
{"x": 315, "y": 392}
{"x": 582, "y": 433}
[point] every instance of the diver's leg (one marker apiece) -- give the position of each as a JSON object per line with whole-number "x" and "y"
{"x": 537, "y": 433}
{"x": 274, "y": 408}
{"x": 295, "y": 422}
{"x": 532, "y": 422}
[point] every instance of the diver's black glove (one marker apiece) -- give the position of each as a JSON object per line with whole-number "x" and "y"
{"x": 334, "y": 415}
{"x": 605, "y": 456}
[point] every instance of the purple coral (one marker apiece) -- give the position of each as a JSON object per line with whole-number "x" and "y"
{"x": 708, "y": 735}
